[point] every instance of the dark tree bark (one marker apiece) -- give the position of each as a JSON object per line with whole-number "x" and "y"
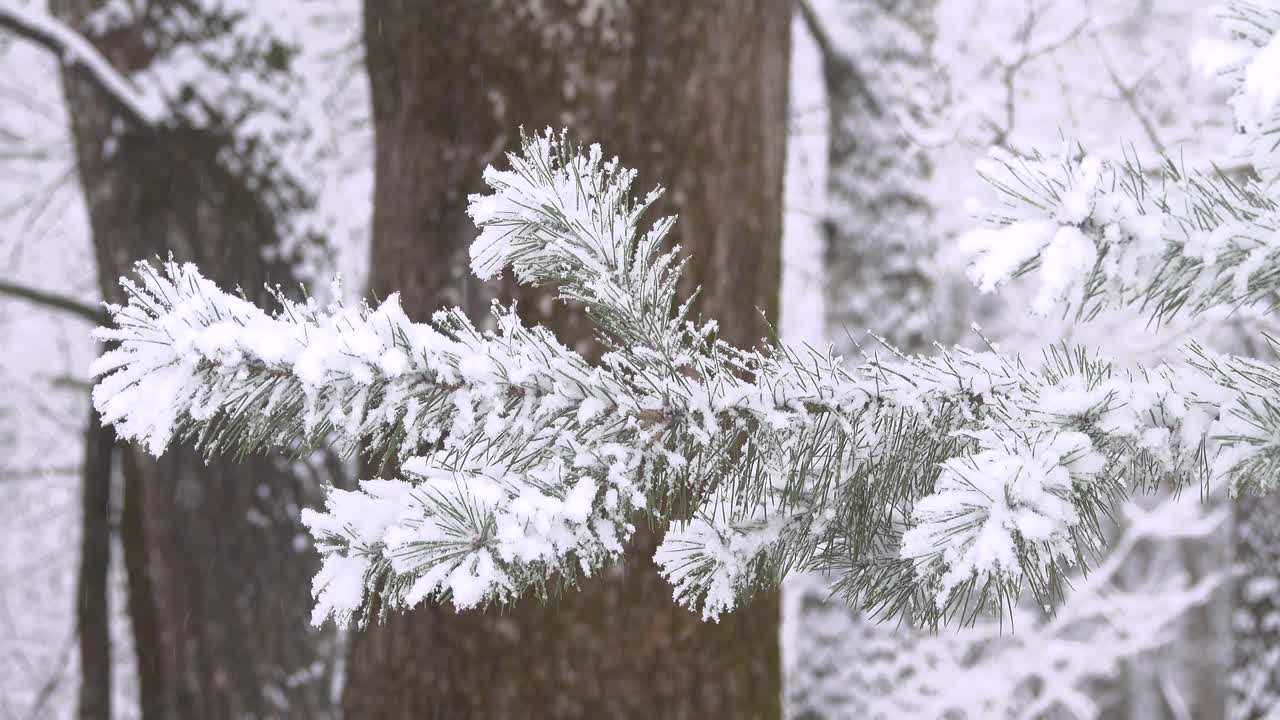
{"x": 218, "y": 565}
{"x": 152, "y": 695}
{"x": 92, "y": 612}
{"x": 693, "y": 95}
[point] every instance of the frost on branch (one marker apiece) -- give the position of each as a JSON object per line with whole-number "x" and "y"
{"x": 928, "y": 487}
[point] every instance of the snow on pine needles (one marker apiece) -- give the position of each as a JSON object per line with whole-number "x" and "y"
{"x": 1100, "y": 234}
{"x": 931, "y": 487}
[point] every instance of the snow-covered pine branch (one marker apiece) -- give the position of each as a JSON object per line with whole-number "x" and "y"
{"x": 1248, "y": 61}
{"x": 931, "y": 487}
{"x": 1129, "y": 605}
{"x": 1102, "y": 234}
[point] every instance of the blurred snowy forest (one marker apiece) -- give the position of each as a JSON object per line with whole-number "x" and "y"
{"x": 891, "y": 103}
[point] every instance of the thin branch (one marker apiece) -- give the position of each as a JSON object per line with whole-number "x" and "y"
{"x": 47, "y": 690}
{"x": 55, "y": 301}
{"x": 68, "y": 382}
{"x": 71, "y": 48}
{"x": 1128, "y": 91}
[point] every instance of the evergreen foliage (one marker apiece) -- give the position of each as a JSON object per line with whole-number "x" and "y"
{"x": 933, "y": 488}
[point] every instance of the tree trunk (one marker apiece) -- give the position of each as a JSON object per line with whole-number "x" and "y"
{"x": 1255, "y": 620}
{"x": 218, "y": 563}
{"x": 694, "y": 96}
{"x": 879, "y": 226}
{"x": 92, "y": 611}
{"x": 878, "y": 243}
{"x": 152, "y": 695}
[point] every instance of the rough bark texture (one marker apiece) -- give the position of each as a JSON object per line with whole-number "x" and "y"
{"x": 218, "y": 564}
{"x": 92, "y": 615}
{"x": 694, "y": 96}
{"x": 1255, "y": 620}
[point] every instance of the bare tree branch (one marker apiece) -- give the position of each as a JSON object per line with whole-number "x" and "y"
{"x": 1129, "y": 92}
{"x": 54, "y": 301}
{"x": 71, "y": 48}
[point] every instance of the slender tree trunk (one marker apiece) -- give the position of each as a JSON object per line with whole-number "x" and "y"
{"x": 694, "y": 96}
{"x": 879, "y": 225}
{"x": 92, "y": 611}
{"x": 1255, "y": 620}
{"x": 219, "y": 567}
{"x": 878, "y": 243}
{"x": 152, "y": 696}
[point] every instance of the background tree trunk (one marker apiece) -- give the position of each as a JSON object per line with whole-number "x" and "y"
{"x": 1255, "y": 619}
{"x": 695, "y": 96}
{"x": 879, "y": 229}
{"x": 219, "y": 566}
{"x": 92, "y": 612}
{"x": 879, "y": 236}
